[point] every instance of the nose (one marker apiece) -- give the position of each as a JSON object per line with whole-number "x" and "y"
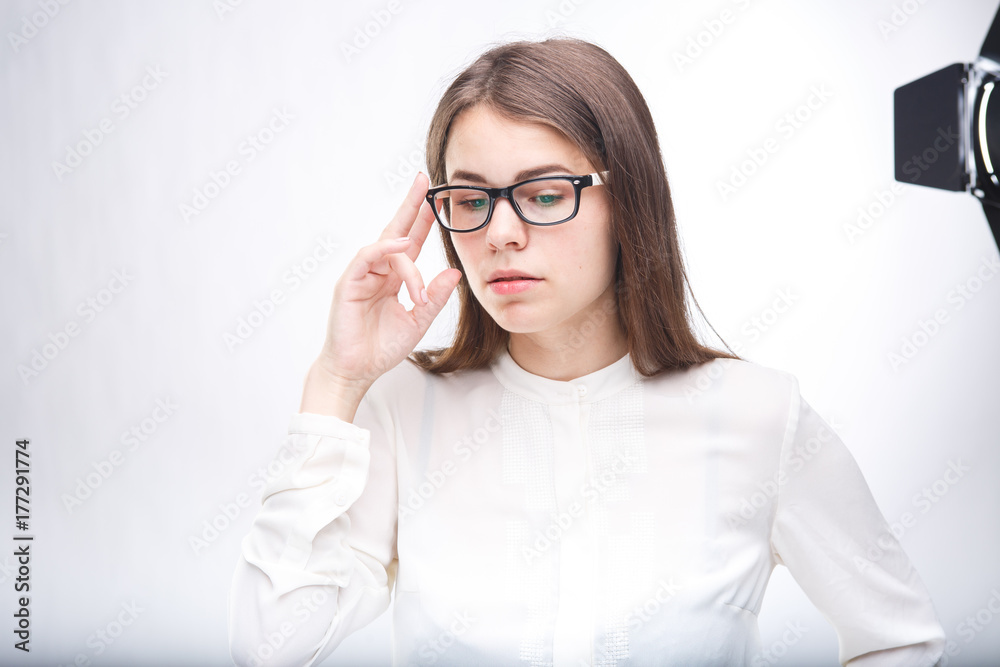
{"x": 505, "y": 227}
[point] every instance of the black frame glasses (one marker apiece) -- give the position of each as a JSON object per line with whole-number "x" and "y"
{"x": 579, "y": 182}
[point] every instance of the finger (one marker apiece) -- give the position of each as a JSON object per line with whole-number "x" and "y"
{"x": 438, "y": 292}
{"x": 403, "y": 220}
{"x": 370, "y": 259}
{"x": 408, "y": 271}
{"x": 420, "y": 229}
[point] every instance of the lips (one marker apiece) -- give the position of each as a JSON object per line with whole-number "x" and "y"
{"x": 512, "y": 285}
{"x": 509, "y": 274}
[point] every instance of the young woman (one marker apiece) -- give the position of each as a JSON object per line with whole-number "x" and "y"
{"x": 576, "y": 480}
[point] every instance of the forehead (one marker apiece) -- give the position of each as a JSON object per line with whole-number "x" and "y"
{"x": 481, "y": 143}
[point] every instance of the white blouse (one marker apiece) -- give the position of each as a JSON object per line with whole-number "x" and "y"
{"x": 608, "y": 520}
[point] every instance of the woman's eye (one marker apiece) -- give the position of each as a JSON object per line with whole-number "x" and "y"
{"x": 547, "y": 200}
{"x": 474, "y": 203}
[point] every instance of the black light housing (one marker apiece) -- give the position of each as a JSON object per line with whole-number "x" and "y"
{"x": 947, "y": 129}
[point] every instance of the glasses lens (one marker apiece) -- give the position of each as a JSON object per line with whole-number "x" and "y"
{"x": 549, "y": 200}
{"x": 462, "y": 208}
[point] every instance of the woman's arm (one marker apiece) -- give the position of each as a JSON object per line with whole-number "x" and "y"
{"x": 319, "y": 561}
{"x": 320, "y": 557}
{"x": 830, "y": 533}
{"x": 925, "y": 654}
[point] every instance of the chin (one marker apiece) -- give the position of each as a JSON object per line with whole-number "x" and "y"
{"x": 512, "y": 322}
{"x": 522, "y": 322}
{"x": 514, "y": 325}
{"x": 518, "y": 317}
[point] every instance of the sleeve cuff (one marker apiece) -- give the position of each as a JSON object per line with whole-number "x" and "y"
{"x": 326, "y": 425}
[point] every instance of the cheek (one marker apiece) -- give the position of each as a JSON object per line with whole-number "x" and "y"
{"x": 594, "y": 254}
{"x": 611, "y": 253}
{"x": 461, "y": 249}
{"x": 467, "y": 250}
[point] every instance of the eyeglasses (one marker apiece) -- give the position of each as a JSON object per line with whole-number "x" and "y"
{"x": 548, "y": 200}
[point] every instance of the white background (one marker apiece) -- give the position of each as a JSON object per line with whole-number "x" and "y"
{"x": 339, "y": 170}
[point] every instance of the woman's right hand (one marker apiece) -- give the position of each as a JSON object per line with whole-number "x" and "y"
{"x": 369, "y": 331}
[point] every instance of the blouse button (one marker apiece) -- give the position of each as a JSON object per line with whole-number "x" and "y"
{"x": 581, "y": 390}
{"x": 341, "y": 500}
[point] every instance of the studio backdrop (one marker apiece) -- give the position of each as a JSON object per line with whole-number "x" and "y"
{"x": 182, "y": 184}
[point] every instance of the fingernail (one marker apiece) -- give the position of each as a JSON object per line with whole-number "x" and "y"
{"x": 402, "y": 238}
{"x": 423, "y": 295}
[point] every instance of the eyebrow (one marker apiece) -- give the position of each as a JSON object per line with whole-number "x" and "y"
{"x": 472, "y": 177}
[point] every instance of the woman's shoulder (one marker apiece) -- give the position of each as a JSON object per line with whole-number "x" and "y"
{"x": 734, "y": 391}
{"x": 726, "y": 377}
{"x": 408, "y": 379}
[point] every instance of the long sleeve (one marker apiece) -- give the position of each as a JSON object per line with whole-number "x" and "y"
{"x": 319, "y": 561}
{"x": 829, "y": 532}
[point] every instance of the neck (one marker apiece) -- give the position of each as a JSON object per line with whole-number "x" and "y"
{"x": 572, "y": 351}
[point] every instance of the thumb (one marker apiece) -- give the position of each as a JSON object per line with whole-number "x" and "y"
{"x": 438, "y": 292}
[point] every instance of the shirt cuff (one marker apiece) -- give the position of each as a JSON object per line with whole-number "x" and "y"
{"x": 326, "y": 425}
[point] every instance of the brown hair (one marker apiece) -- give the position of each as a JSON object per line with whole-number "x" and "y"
{"x": 580, "y": 90}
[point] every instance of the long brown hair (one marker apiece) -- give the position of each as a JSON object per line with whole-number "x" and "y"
{"x": 580, "y": 90}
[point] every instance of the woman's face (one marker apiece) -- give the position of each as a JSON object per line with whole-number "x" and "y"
{"x": 573, "y": 263}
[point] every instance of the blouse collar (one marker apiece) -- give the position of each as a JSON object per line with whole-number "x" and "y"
{"x": 592, "y": 387}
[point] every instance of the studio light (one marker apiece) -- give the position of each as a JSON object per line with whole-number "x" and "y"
{"x": 947, "y": 129}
